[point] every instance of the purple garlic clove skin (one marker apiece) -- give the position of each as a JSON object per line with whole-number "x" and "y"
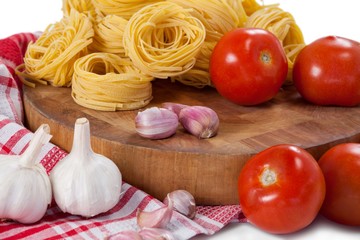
{"x": 156, "y": 234}
{"x": 175, "y": 107}
{"x": 126, "y": 235}
{"x": 183, "y": 202}
{"x": 156, "y": 123}
{"x": 202, "y": 122}
{"x": 158, "y": 218}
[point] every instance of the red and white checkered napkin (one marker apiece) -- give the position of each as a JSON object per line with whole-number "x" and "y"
{"x": 12, "y": 50}
{"x": 14, "y": 138}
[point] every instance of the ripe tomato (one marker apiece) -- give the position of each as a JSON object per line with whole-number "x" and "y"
{"x": 327, "y": 72}
{"x": 341, "y": 169}
{"x": 281, "y": 189}
{"x": 248, "y": 66}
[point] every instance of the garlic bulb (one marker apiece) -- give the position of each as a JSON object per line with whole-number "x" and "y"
{"x": 200, "y": 121}
{"x": 85, "y": 183}
{"x": 156, "y": 123}
{"x": 25, "y": 186}
{"x": 183, "y": 202}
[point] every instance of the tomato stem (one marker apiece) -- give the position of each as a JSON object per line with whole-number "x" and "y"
{"x": 265, "y": 57}
{"x": 268, "y": 177}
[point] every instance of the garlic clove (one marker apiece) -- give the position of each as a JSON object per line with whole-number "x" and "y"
{"x": 183, "y": 202}
{"x": 156, "y": 123}
{"x": 25, "y": 186}
{"x": 158, "y": 218}
{"x": 156, "y": 234}
{"x": 175, "y": 107}
{"x": 85, "y": 183}
{"x": 202, "y": 122}
{"x": 126, "y": 235}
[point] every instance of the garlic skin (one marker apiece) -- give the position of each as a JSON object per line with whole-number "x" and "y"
{"x": 125, "y": 235}
{"x": 156, "y": 123}
{"x": 175, "y": 107}
{"x": 85, "y": 183}
{"x": 202, "y": 122}
{"x": 156, "y": 233}
{"x": 25, "y": 186}
{"x": 158, "y": 218}
{"x": 183, "y": 202}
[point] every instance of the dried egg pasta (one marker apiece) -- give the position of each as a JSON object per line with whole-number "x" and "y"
{"x": 52, "y": 56}
{"x": 163, "y": 39}
{"x": 107, "y": 82}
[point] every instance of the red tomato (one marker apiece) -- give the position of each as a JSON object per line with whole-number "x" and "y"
{"x": 327, "y": 72}
{"x": 281, "y": 189}
{"x": 248, "y": 66}
{"x": 341, "y": 169}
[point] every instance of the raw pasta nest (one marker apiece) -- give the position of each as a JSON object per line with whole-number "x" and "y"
{"x": 109, "y": 33}
{"x": 121, "y": 8}
{"x": 82, "y": 6}
{"x": 107, "y": 82}
{"x": 52, "y": 56}
{"x": 163, "y": 39}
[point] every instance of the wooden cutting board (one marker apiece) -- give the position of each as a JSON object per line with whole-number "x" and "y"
{"x": 207, "y": 168}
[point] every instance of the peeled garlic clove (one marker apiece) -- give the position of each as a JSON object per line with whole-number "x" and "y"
{"x": 183, "y": 202}
{"x": 156, "y": 233}
{"x": 156, "y": 123}
{"x": 202, "y": 122}
{"x": 85, "y": 183}
{"x": 175, "y": 107}
{"x": 25, "y": 186}
{"x": 126, "y": 235}
{"x": 158, "y": 218}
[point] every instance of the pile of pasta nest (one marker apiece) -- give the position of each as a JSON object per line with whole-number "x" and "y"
{"x": 110, "y": 51}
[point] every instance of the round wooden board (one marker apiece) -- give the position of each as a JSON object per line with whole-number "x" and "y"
{"x": 207, "y": 168}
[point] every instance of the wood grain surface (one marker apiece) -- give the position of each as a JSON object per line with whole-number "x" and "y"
{"x": 207, "y": 168}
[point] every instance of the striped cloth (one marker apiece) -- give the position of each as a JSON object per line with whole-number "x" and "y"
{"x": 14, "y": 139}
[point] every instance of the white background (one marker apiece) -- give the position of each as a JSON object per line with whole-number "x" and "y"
{"x": 316, "y": 18}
